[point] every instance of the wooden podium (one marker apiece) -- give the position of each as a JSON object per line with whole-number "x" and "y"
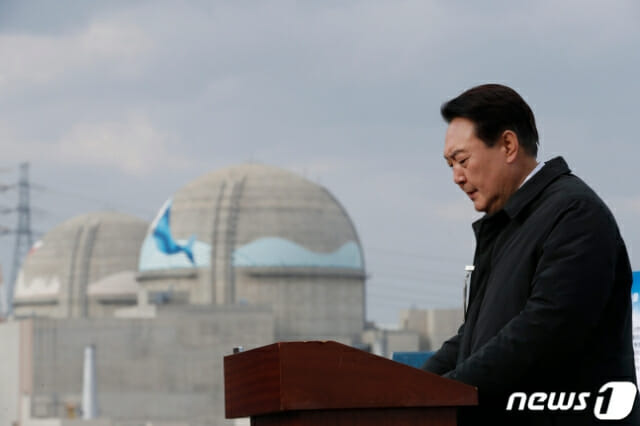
{"x": 327, "y": 383}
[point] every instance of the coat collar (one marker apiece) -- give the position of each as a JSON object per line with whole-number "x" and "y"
{"x": 530, "y": 190}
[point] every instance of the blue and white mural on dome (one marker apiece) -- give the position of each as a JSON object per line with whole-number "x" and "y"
{"x": 273, "y": 251}
{"x": 160, "y": 250}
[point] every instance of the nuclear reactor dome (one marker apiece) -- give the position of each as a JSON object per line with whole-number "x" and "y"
{"x": 257, "y": 234}
{"x": 79, "y": 268}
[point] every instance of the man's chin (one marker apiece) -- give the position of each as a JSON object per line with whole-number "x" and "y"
{"x": 479, "y": 207}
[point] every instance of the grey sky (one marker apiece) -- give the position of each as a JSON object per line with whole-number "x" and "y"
{"x": 125, "y": 102}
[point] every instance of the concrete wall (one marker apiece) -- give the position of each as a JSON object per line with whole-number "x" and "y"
{"x": 307, "y": 306}
{"x": 95, "y": 308}
{"x": 107, "y": 308}
{"x": 9, "y": 373}
{"x": 48, "y": 309}
{"x": 191, "y": 286}
{"x": 169, "y": 368}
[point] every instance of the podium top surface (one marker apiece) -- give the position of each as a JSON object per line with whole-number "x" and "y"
{"x": 328, "y": 375}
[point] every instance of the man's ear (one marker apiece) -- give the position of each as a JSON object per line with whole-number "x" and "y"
{"x": 510, "y": 145}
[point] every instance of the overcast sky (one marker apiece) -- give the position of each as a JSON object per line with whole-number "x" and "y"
{"x": 117, "y": 104}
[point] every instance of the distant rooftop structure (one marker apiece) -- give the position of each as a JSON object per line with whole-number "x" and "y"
{"x": 434, "y": 326}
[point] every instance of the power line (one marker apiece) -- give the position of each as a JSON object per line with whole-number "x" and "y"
{"x": 104, "y": 204}
{"x": 44, "y": 188}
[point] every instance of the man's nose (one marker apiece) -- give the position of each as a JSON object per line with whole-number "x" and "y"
{"x": 458, "y": 176}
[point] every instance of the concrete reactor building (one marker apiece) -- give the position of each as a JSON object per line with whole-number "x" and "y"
{"x": 259, "y": 235}
{"x": 85, "y": 267}
{"x": 246, "y": 255}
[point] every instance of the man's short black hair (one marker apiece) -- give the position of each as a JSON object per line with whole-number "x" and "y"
{"x": 494, "y": 108}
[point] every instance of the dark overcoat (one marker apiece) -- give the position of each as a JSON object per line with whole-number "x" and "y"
{"x": 549, "y": 306}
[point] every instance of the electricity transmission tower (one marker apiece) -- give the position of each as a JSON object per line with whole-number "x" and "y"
{"x": 24, "y": 235}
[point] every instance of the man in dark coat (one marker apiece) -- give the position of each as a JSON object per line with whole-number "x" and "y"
{"x": 549, "y": 306}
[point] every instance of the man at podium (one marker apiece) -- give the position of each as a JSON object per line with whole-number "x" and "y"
{"x": 547, "y": 326}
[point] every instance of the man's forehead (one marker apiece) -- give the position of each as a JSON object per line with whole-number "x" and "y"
{"x": 458, "y": 135}
{"x": 452, "y": 154}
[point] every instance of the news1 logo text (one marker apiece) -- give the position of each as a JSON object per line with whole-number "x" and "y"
{"x": 614, "y": 401}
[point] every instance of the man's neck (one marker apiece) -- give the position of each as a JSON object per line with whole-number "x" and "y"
{"x": 529, "y": 170}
